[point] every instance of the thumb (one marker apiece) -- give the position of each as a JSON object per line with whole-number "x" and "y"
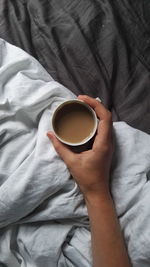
{"x": 65, "y": 153}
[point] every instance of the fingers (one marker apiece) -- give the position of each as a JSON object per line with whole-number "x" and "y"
{"x": 101, "y": 111}
{"x": 104, "y": 133}
{"x": 62, "y": 150}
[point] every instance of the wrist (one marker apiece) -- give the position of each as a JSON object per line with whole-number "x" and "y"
{"x": 96, "y": 195}
{"x": 96, "y": 199}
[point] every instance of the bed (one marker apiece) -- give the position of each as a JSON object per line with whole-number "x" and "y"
{"x": 99, "y": 48}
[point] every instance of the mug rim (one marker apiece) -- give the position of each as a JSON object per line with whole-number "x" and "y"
{"x": 85, "y": 140}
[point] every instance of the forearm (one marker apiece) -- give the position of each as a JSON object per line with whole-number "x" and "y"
{"x": 91, "y": 170}
{"x": 107, "y": 242}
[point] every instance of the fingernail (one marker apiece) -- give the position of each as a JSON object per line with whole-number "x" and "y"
{"x": 82, "y": 95}
{"x": 50, "y": 135}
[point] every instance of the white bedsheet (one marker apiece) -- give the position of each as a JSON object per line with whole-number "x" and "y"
{"x": 43, "y": 218}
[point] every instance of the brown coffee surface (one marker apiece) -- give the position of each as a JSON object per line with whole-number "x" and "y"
{"x": 73, "y": 123}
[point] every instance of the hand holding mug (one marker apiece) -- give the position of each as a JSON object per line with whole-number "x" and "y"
{"x": 91, "y": 168}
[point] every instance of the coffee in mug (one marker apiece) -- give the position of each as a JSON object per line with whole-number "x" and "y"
{"x": 74, "y": 122}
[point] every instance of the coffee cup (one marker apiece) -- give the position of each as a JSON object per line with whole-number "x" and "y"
{"x": 74, "y": 122}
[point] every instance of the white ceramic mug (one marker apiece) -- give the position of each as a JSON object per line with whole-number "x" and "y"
{"x": 88, "y": 138}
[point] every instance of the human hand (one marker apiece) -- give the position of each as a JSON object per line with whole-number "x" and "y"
{"x": 91, "y": 168}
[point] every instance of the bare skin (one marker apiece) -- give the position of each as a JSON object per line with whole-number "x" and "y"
{"x": 92, "y": 176}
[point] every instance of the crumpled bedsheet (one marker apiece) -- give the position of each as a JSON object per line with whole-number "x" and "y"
{"x": 43, "y": 217}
